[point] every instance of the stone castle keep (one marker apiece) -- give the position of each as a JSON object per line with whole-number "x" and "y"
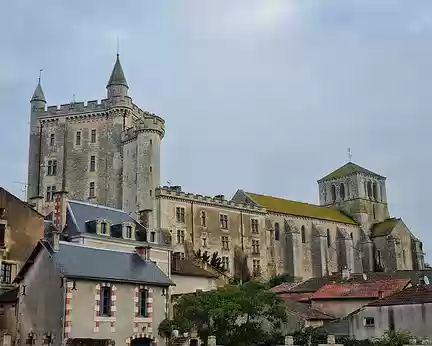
{"x": 108, "y": 153}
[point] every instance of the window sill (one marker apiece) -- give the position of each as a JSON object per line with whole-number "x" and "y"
{"x": 142, "y": 319}
{"x": 106, "y": 319}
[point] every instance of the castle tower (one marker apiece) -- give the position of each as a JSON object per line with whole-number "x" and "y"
{"x": 81, "y": 147}
{"x": 356, "y": 191}
{"x": 38, "y": 104}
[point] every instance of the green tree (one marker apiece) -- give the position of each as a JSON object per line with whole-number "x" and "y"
{"x": 236, "y": 315}
{"x": 393, "y": 338}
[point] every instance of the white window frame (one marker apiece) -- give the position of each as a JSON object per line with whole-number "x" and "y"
{"x": 125, "y": 226}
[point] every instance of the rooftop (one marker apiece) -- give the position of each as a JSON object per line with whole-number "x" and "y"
{"x": 348, "y": 169}
{"x": 284, "y": 206}
{"x": 384, "y": 228}
{"x": 305, "y": 312}
{"x": 188, "y": 268}
{"x": 371, "y": 290}
{"x": 417, "y": 294}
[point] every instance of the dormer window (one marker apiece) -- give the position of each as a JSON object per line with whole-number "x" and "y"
{"x": 152, "y": 237}
{"x": 128, "y": 230}
{"x": 103, "y": 227}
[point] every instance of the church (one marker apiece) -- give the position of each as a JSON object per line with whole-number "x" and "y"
{"x": 108, "y": 153}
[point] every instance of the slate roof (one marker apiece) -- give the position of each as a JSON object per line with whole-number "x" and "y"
{"x": 418, "y": 294}
{"x": 188, "y": 268}
{"x": 10, "y": 296}
{"x": 117, "y": 74}
{"x": 305, "y": 312}
{"x": 81, "y": 212}
{"x": 370, "y": 290}
{"x": 384, "y": 228}
{"x": 284, "y": 206}
{"x": 77, "y": 261}
{"x": 38, "y": 94}
{"x": 348, "y": 169}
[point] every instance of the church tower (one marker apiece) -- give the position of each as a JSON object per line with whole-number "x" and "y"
{"x": 356, "y": 191}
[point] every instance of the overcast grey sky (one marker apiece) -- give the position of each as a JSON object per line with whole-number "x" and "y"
{"x": 263, "y": 95}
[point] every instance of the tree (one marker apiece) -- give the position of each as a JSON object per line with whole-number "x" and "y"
{"x": 241, "y": 269}
{"x": 393, "y": 338}
{"x": 237, "y": 315}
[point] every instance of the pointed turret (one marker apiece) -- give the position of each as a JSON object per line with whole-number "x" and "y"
{"x": 38, "y": 94}
{"x": 117, "y": 75}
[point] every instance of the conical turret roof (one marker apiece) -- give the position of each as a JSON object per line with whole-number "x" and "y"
{"x": 117, "y": 75}
{"x": 38, "y": 94}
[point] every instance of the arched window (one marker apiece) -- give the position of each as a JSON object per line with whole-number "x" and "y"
{"x": 348, "y": 189}
{"x": 369, "y": 189}
{"x": 381, "y": 193}
{"x": 352, "y": 235}
{"x": 203, "y": 218}
{"x": 342, "y": 191}
{"x": 375, "y": 191}
{"x": 328, "y": 238}
{"x": 404, "y": 257}
{"x": 303, "y": 234}
{"x": 333, "y": 193}
{"x": 373, "y": 211}
{"x": 277, "y": 231}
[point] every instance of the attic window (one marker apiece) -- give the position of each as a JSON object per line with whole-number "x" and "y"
{"x": 369, "y": 322}
{"x": 152, "y": 236}
{"x": 104, "y": 228}
{"x": 128, "y": 232}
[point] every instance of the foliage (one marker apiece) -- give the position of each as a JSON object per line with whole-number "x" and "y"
{"x": 214, "y": 260}
{"x": 314, "y": 336}
{"x": 236, "y": 315}
{"x": 280, "y": 279}
{"x": 241, "y": 269}
{"x": 393, "y": 338}
{"x": 166, "y": 328}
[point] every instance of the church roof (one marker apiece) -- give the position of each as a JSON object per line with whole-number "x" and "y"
{"x": 117, "y": 75}
{"x": 38, "y": 94}
{"x": 348, "y": 169}
{"x": 384, "y": 228}
{"x": 284, "y": 206}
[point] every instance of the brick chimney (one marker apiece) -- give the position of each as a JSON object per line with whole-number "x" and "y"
{"x": 60, "y": 209}
{"x": 143, "y": 252}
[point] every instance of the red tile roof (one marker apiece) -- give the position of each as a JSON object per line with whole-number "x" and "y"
{"x": 305, "y": 312}
{"x": 418, "y": 294}
{"x": 298, "y": 297}
{"x": 360, "y": 290}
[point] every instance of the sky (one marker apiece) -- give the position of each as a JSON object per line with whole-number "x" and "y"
{"x": 262, "y": 95}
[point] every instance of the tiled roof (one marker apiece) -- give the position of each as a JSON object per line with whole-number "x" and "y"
{"x": 298, "y": 297}
{"x": 188, "y": 268}
{"x": 384, "y": 228}
{"x": 284, "y": 206}
{"x": 360, "y": 290}
{"x": 304, "y": 312}
{"x": 417, "y": 294}
{"x": 347, "y": 169}
{"x": 284, "y": 287}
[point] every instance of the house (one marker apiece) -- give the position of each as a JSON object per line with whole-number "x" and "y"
{"x": 74, "y": 293}
{"x": 409, "y": 309}
{"x": 21, "y": 227}
{"x": 340, "y": 299}
{"x": 301, "y": 315}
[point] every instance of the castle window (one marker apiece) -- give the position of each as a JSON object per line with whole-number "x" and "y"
{"x": 375, "y": 191}
{"x": 92, "y": 163}
{"x": 78, "y": 138}
{"x": 328, "y": 238}
{"x": 104, "y": 228}
{"x": 333, "y": 193}
{"x": 225, "y": 242}
{"x": 180, "y": 214}
{"x": 254, "y": 225}
{"x": 52, "y": 139}
{"x": 150, "y": 192}
{"x": 152, "y": 236}
{"x": 6, "y": 273}
{"x": 381, "y": 193}
{"x": 348, "y": 189}
{"x": 52, "y": 167}
{"x": 50, "y": 190}
{"x": 180, "y": 236}
{"x": 2, "y": 234}
{"x": 143, "y": 300}
{"x": 223, "y": 221}
{"x": 151, "y": 142}
{"x": 256, "y": 266}
{"x": 93, "y": 136}
{"x": 277, "y": 231}
{"x": 105, "y": 301}
{"x": 150, "y": 169}
{"x": 369, "y": 189}
{"x": 225, "y": 263}
{"x": 203, "y": 218}
{"x": 92, "y": 189}
{"x": 303, "y": 234}
{"x": 404, "y": 257}
{"x": 373, "y": 211}
{"x": 351, "y": 235}
{"x": 342, "y": 191}
{"x": 255, "y": 246}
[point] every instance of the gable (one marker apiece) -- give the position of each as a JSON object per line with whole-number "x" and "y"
{"x": 284, "y": 206}
{"x": 392, "y": 226}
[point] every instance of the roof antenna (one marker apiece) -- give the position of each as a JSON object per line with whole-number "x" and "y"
{"x": 349, "y": 155}
{"x": 40, "y": 74}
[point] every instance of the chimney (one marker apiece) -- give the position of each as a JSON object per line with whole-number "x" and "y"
{"x": 37, "y": 203}
{"x": 60, "y": 209}
{"x": 175, "y": 265}
{"x": 345, "y": 274}
{"x": 143, "y": 252}
{"x": 145, "y": 217}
